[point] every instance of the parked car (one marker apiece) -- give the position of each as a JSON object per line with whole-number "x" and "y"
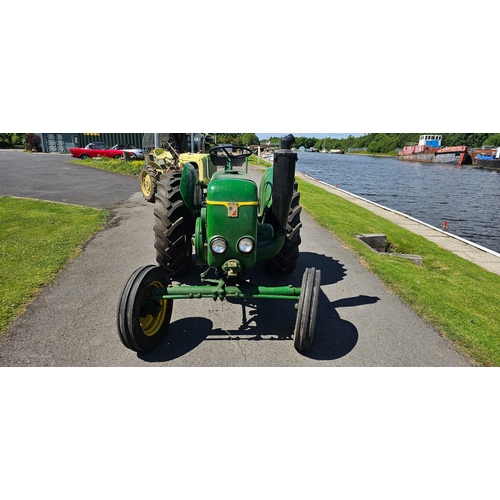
{"x": 135, "y": 153}
{"x": 95, "y": 149}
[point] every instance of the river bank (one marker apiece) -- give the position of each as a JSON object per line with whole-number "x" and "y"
{"x": 453, "y": 293}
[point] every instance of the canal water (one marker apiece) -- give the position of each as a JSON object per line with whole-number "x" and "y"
{"x": 468, "y": 199}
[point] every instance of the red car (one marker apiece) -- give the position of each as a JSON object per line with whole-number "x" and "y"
{"x": 95, "y": 149}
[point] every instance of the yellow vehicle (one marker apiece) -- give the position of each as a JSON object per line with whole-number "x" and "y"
{"x": 166, "y": 152}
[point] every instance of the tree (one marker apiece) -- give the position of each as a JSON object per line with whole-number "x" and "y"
{"x": 493, "y": 140}
{"x": 8, "y": 140}
{"x": 249, "y": 140}
{"x": 33, "y": 142}
{"x": 383, "y": 143}
{"x": 246, "y": 139}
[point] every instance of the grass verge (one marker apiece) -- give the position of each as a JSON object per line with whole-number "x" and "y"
{"x": 460, "y": 298}
{"x": 119, "y": 166}
{"x": 37, "y": 238}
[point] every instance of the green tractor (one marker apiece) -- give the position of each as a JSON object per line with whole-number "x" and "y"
{"x": 169, "y": 153}
{"x": 233, "y": 226}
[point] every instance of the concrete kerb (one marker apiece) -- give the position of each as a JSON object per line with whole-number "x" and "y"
{"x": 482, "y": 256}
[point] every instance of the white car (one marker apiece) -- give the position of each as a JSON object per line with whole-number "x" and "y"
{"x": 135, "y": 153}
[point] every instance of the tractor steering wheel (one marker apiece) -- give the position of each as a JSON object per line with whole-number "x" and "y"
{"x": 214, "y": 152}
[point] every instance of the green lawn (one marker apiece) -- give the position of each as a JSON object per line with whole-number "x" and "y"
{"x": 37, "y": 238}
{"x": 119, "y": 166}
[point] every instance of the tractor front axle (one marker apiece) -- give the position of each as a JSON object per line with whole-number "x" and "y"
{"x": 221, "y": 291}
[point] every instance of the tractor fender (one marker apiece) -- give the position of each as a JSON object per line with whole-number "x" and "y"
{"x": 190, "y": 187}
{"x": 154, "y": 165}
{"x": 266, "y": 193}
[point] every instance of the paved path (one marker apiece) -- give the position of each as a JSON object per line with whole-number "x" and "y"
{"x": 53, "y": 177}
{"x": 360, "y": 323}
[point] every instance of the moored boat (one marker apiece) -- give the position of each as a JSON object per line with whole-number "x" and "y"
{"x": 483, "y": 150}
{"x": 489, "y": 161}
{"x": 429, "y": 150}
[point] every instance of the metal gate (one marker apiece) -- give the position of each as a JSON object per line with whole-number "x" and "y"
{"x": 55, "y": 143}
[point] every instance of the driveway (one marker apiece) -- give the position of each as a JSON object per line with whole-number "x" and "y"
{"x": 73, "y": 321}
{"x": 51, "y": 176}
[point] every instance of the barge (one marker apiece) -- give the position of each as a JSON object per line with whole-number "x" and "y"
{"x": 429, "y": 150}
{"x": 489, "y": 161}
{"x": 483, "y": 150}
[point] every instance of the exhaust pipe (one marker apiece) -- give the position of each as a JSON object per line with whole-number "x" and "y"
{"x": 283, "y": 179}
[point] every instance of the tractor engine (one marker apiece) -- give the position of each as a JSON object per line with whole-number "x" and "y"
{"x": 231, "y": 222}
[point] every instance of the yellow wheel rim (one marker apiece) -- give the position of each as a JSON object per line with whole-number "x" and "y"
{"x": 151, "y": 324}
{"x": 146, "y": 183}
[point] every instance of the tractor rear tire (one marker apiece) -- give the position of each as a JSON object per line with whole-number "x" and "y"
{"x": 148, "y": 178}
{"x": 285, "y": 261}
{"x": 142, "y": 325}
{"x": 173, "y": 231}
{"x": 307, "y": 309}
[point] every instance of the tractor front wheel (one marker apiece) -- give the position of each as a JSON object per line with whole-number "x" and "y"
{"x": 142, "y": 324}
{"x": 149, "y": 179}
{"x": 307, "y": 309}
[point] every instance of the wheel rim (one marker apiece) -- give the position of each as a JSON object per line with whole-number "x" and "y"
{"x": 150, "y": 323}
{"x": 146, "y": 184}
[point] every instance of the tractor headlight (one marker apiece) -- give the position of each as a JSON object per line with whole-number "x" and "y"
{"x": 245, "y": 245}
{"x": 218, "y": 245}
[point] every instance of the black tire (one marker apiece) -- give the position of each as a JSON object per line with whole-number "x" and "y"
{"x": 117, "y": 157}
{"x": 285, "y": 261}
{"x": 173, "y": 226}
{"x": 307, "y": 309}
{"x": 148, "y": 179}
{"x": 84, "y": 157}
{"x": 143, "y": 325}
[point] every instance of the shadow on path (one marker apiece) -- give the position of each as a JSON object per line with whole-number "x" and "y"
{"x": 270, "y": 320}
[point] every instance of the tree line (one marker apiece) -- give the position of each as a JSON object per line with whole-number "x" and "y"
{"x": 387, "y": 143}
{"x": 373, "y": 143}
{"x": 10, "y": 140}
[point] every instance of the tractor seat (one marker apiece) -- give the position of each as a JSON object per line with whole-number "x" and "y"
{"x": 161, "y": 154}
